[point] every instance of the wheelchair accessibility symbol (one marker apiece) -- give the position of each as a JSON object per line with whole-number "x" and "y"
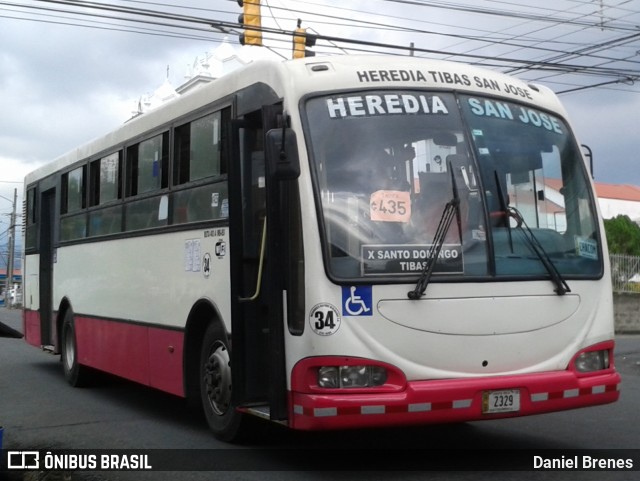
{"x": 357, "y": 301}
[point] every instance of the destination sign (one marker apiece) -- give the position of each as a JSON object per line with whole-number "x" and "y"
{"x": 445, "y": 78}
{"x": 403, "y": 259}
{"x": 507, "y": 111}
{"x": 385, "y": 104}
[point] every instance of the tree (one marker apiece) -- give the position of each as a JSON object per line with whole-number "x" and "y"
{"x": 623, "y": 235}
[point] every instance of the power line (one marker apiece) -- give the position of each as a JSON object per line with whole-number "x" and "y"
{"x": 546, "y": 18}
{"x": 172, "y": 21}
{"x": 227, "y": 25}
{"x": 585, "y": 87}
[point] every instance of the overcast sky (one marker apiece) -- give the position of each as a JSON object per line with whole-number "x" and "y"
{"x": 62, "y": 84}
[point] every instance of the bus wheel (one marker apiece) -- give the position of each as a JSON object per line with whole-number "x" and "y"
{"x": 75, "y": 374}
{"x": 215, "y": 385}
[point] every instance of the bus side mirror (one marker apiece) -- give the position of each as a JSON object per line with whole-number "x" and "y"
{"x": 282, "y": 154}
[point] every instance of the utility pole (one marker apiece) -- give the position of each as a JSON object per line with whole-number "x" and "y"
{"x": 12, "y": 248}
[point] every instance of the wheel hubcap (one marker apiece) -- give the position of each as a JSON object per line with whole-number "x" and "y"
{"x": 217, "y": 378}
{"x": 69, "y": 349}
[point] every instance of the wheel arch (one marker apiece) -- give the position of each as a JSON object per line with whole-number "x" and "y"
{"x": 202, "y": 314}
{"x": 65, "y": 305}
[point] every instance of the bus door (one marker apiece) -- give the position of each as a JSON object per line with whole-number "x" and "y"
{"x": 45, "y": 274}
{"x": 267, "y": 262}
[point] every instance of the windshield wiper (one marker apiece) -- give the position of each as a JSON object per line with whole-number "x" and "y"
{"x": 451, "y": 209}
{"x": 561, "y": 286}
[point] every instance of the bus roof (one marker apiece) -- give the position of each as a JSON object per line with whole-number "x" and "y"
{"x": 296, "y": 78}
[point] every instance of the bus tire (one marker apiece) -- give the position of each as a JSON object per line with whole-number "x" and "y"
{"x": 215, "y": 386}
{"x": 75, "y": 374}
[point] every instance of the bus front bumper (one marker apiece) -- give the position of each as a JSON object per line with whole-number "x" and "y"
{"x": 451, "y": 401}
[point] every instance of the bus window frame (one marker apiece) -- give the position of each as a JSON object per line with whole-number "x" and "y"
{"x": 95, "y": 179}
{"x": 491, "y": 275}
{"x": 132, "y": 167}
{"x": 31, "y": 219}
{"x": 167, "y": 130}
{"x": 70, "y": 223}
{"x": 96, "y": 208}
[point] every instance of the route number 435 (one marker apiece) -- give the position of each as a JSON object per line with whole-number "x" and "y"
{"x": 390, "y": 206}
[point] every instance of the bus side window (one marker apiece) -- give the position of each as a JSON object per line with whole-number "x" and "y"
{"x": 198, "y": 149}
{"x": 200, "y": 158}
{"x": 73, "y": 218}
{"x": 105, "y": 190}
{"x": 147, "y": 165}
{"x": 201, "y": 203}
{"x": 147, "y": 172}
{"x": 31, "y": 221}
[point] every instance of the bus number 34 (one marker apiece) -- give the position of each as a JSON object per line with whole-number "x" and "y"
{"x": 325, "y": 319}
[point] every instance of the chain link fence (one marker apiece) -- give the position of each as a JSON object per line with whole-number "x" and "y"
{"x": 625, "y": 273}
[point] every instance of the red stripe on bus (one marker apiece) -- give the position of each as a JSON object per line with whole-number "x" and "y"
{"x": 145, "y": 354}
{"x": 149, "y": 355}
{"x": 31, "y": 326}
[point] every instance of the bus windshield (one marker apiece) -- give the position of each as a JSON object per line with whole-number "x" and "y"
{"x": 386, "y": 163}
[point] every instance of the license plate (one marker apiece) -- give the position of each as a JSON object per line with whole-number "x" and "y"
{"x": 506, "y": 401}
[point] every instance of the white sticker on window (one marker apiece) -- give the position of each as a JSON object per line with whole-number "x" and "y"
{"x": 586, "y": 248}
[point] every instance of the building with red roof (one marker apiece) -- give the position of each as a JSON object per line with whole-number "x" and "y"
{"x": 619, "y": 199}
{"x": 613, "y": 199}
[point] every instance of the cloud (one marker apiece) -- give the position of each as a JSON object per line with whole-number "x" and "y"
{"x": 64, "y": 86}
{"x": 61, "y": 86}
{"x": 607, "y": 121}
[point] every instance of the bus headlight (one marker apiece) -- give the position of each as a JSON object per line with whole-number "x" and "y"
{"x": 333, "y": 377}
{"x": 592, "y": 361}
{"x": 345, "y": 375}
{"x": 328, "y": 377}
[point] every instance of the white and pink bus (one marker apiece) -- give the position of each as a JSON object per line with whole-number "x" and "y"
{"x": 331, "y": 243}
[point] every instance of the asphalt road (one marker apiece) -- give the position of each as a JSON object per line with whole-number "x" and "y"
{"x": 40, "y": 411}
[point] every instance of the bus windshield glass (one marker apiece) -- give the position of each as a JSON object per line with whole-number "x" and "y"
{"x": 386, "y": 164}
